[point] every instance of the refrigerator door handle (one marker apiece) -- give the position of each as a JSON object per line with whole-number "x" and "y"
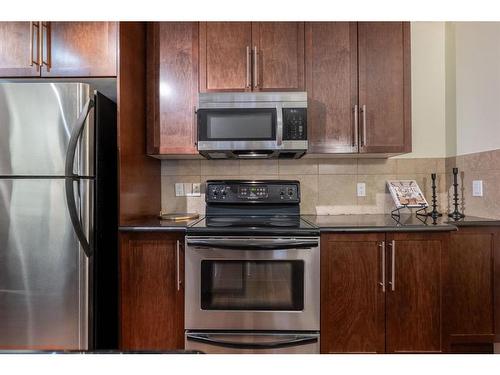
{"x": 71, "y": 177}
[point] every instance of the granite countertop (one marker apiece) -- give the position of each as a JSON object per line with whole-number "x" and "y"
{"x": 332, "y": 223}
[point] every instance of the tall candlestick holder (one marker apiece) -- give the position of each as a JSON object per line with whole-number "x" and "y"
{"x": 434, "y": 213}
{"x": 456, "y": 214}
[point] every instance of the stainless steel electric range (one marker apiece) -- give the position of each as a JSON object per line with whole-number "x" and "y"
{"x": 252, "y": 271}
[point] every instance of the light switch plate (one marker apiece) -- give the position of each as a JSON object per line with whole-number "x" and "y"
{"x": 179, "y": 189}
{"x": 477, "y": 188}
{"x": 361, "y": 189}
{"x": 196, "y": 190}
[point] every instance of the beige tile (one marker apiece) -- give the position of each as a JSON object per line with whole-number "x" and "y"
{"x": 420, "y": 165}
{"x": 377, "y": 166}
{"x": 489, "y": 204}
{"x": 171, "y": 203}
{"x": 482, "y": 161}
{"x": 260, "y": 167}
{"x": 298, "y": 166}
{"x": 337, "y": 166}
{"x": 440, "y": 165}
{"x": 220, "y": 167}
{"x": 308, "y": 192}
{"x": 337, "y": 190}
{"x": 376, "y": 189}
{"x": 180, "y": 167}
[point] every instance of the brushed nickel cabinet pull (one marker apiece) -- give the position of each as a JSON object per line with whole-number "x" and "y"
{"x": 393, "y": 265}
{"x": 45, "y": 35}
{"x": 249, "y": 62}
{"x": 177, "y": 269}
{"x": 255, "y": 67}
{"x": 33, "y": 61}
{"x": 364, "y": 124}
{"x": 40, "y": 44}
{"x": 356, "y": 125}
{"x": 195, "y": 127}
{"x": 382, "y": 249}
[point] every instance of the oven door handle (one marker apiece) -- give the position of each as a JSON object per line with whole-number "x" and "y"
{"x": 252, "y": 245}
{"x": 295, "y": 341}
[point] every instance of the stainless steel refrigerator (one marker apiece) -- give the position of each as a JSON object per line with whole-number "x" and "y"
{"x": 58, "y": 217}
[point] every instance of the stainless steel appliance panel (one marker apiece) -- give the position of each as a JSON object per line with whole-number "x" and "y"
{"x": 36, "y": 122}
{"x": 199, "y": 249}
{"x": 253, "y": 342}
{"x": 44, "y": 273}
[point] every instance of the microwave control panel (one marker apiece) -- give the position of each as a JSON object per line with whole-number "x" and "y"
{"x": 247, "y": 192}
{"x": 294, "y": 124}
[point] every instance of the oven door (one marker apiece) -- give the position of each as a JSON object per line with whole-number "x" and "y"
{"x": 242, "y": 283}
{"x": 245, "y": 132}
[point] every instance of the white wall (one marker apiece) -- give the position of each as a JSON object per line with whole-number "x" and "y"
{"x": 428, "y": 90}
{"x": 477, "y": 64}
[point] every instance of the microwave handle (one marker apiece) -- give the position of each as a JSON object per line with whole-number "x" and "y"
{"x": 295, "y": 341}
{"x": 279, "y": 126}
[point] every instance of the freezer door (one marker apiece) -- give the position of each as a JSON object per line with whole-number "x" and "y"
{"x": 44, "y": 274}
{"x": 36, "y": 123}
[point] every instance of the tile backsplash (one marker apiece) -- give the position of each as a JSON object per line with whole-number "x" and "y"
{"x": 328, "y": 186}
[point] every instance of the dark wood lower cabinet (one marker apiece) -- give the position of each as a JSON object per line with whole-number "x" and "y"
{"x": 413, "y": 297}
{"x": 151, "y": 291}
{"x": 352, "y": 308}
{"x": 469, "y": 296}
{"x": 381, "y": 292}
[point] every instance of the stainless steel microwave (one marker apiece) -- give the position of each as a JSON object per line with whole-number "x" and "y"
{"x": 252, "y": 125}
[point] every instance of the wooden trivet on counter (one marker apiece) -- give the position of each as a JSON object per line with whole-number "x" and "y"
{"x": 182, "y": 216}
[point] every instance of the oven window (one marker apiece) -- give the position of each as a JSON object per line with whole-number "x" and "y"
{"x": 237, "y": 124}
{"x": 276, "y": 285}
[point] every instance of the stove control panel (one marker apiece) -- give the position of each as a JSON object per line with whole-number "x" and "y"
{"x": 236, "y": 191}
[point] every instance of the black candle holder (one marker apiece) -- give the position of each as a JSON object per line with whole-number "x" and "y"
{"x": 456, "y": 214}
{"x": 434, "y": 213}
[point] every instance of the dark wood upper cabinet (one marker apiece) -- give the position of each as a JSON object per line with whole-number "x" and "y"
{"x": 246, "y": 56}
{"x": 353, "y": 302}
{"x": 172, "y": 85}
{"x": 384, "y": 87}
{"x": 151, "y": 291}
{"x": 358, "y": 86}
{"x": 469, "y": 290}
{"x": 225, "y": 56}
{"x": 80, "y": 49}
{"x": 332, "y": 86}
{"x": 413, "y": 297}
{"x": 19, "y": 49}
{"x": 58, "y": 49}
{"x": 279, "y": 60}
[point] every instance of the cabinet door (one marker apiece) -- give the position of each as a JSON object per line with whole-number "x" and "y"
{"x": 352, "y": 297}
{"x": 151, "y": 291}
{"x": 172, "y": 84}
{"x": 18, "y": 48}
{"x": 80, "y": 49}
{"x": 225, "y": 56}
{"x": 384, "y": 86}
{"x": 332, "y": 86}
{"x": 413, "y": 314}
{"x": 468, "y": 290}
{"x": 279, "y": 62}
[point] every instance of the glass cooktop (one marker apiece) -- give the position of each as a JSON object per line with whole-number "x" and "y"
{"x": 216, "y": 224}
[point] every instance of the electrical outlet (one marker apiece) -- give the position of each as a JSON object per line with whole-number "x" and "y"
{"x": 361, "y": 189}
{"x": 188, "y": 189}
{"x": 477, "y": 188}
{"x": 179, "y": 189}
